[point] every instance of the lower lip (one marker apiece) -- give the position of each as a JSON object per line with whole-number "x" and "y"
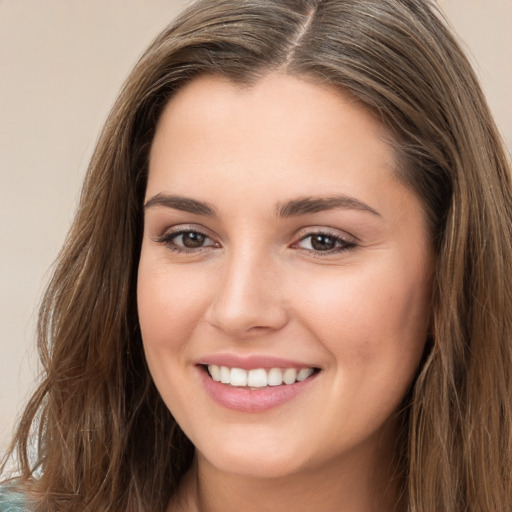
{"x": 252, "y": 400}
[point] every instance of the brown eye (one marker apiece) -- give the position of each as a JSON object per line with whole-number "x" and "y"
{"x": 323, "y": 242}
{"x": 192, "y": 239}
{"x": 188, "y": 240}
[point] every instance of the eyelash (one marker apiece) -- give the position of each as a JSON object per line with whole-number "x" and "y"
{"x": 168, "y": 239}
{"x": 344, "y": 245}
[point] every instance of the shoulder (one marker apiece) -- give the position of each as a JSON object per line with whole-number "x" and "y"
{"x": 12, "y": 500}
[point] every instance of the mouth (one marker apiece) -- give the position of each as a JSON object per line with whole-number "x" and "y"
{"x": 259, "y": 378}
{"x": 255, "y": 383}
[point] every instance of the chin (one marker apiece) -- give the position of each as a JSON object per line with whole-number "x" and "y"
{"x": 254, "y": 460}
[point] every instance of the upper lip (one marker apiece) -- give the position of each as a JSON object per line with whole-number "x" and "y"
{"x": 251, "y": 362}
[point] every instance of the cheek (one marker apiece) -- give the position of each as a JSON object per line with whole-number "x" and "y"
{"x": 374, "y": 325}
{"x": 169, "y": 306}
{"x": 169, "y": 311}
{"x": 374, "y": 318}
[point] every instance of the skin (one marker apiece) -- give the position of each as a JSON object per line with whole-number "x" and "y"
{"x": 258, "y": 286}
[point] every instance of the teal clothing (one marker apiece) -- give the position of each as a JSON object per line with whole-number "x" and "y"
{"x": 12, "y": 500}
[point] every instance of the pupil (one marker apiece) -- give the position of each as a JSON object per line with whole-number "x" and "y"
{"x": 193, "y": 240}
{"x": 322, "y": 243}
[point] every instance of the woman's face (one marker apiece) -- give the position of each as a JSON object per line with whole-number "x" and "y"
{"x": 279, "y": 244}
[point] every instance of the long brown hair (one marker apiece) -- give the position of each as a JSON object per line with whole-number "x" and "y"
{"x": 104, "y": 438}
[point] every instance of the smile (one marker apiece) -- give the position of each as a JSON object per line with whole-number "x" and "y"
{"x": 263, "y": 384}
{"x": 259, "y": 377}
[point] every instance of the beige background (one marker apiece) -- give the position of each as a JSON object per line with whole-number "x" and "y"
{"x": 61, "y": 64}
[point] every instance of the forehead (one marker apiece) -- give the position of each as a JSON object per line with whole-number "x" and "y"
{"x": 273, "y": 100}
{"x": 281, "y": 129}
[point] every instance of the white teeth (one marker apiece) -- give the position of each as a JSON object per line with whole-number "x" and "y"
{"x": 304, "y": 373}
{"x": 224, "y": 375}
{"x": 238, "y": 377}
{"x": 258, "y": 378}
{"x": 275, "y": 377}
{"x": 214, "y": 372}
{"x": 289, "y": 375}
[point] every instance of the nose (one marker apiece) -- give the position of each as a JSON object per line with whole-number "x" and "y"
{"x": 249, "y": 300}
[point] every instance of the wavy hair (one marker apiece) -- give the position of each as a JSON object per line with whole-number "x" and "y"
{"x": 105, "y": 440}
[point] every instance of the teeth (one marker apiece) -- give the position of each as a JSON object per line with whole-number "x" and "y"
{"x": 304, "y": 373}
{"x": 258, "y": 378}
{"x": 214, "y": 372}
{"x": 238, "y": 377}
{"x": 290, "y": 375}
{"x": 275, "y": 377}
{"x": 224, "y": 375}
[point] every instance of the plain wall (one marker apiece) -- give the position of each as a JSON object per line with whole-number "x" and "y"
{"x": 61, "y": 65}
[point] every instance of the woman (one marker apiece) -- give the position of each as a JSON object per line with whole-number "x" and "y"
{"x": 287, "y": 285}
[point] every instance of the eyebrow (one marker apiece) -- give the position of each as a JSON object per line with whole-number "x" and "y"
{"x": 292, "y": 208}
{"x": 184, "y": 204}
{"x": 309, "y": 205}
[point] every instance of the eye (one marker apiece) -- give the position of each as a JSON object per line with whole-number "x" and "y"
{"x": 325, "y": 243}
{"x": 187, "y": 240}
